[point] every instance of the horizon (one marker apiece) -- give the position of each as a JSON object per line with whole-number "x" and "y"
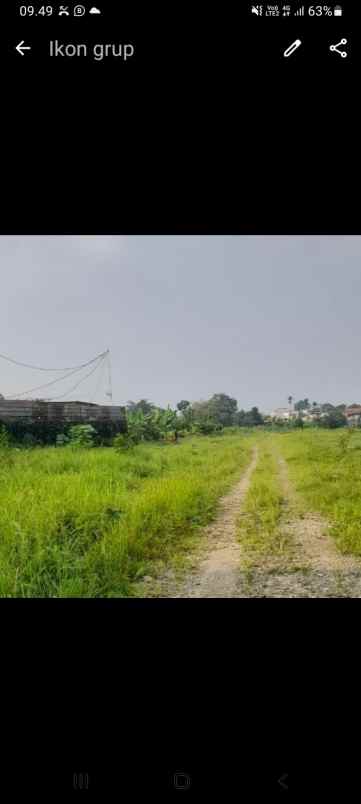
{"x": 115, "y": 403}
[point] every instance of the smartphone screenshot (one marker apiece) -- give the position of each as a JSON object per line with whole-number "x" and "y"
{"x": 180, "y": 404}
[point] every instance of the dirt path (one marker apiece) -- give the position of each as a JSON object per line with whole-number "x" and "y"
{"x": 312, "y": 543}
{"x": 218, "y": 574}
{"x": 313, "y": 566}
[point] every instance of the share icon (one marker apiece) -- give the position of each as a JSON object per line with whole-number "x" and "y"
{"x": 334, "y": 48}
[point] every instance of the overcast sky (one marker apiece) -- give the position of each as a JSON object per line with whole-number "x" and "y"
{"x": 258, "y": 318}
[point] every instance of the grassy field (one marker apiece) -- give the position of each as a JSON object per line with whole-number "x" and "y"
{"x": 90, "y": 523}
{"x": 325, "y": 467}
{"x": 259, "y": 526}
{"x": 94, "y": 522}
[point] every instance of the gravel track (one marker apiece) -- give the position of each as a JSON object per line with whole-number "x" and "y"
{"x": 311, "y": 566}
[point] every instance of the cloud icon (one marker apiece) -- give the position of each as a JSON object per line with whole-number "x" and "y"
{"x": 95, "y": 10}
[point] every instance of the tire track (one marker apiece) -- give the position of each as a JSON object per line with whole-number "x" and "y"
{"x": 218, "y": 573}
{"x": 314, "y": 567}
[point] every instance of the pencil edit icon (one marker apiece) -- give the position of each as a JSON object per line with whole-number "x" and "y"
{"x": 291, "y": 49}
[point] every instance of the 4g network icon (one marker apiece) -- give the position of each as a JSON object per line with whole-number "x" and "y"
{"x": 271, "y": 11}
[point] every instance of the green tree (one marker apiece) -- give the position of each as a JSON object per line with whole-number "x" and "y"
{"x": 201, "y": 410}
{"x": 203, "y": 421}
{"x": 223, "y": 409}
{"x": 241, "y": 418}
{"x": 183, "y": 405}
{"x": 186, "y": 416}
{"x": 158, "y": 423}
{"x": 335, "y": 418}
{"x": 255, "y": 416}
{"x": 82, "y": 435}
{"x": 250, "y": 418}
{"x": 302, "y": 404}
{"x": 162, "y": 422}
{"x": 143, "y": 406}
{"x": 136, "y": 426}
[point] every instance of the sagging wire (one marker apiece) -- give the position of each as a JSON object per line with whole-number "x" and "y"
{"x": 50, "y": 399}
{"x": 58, "y": 379}
{"x": 39, "y": 368}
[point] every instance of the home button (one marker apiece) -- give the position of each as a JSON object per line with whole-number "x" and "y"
{"x": 181, "y": 780}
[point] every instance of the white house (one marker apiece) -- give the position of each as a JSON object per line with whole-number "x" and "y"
{"x": 283, "y": 413}
{"x": 353, "y": 415}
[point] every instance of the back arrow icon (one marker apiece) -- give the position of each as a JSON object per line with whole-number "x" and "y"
{"x": 21, "y": 47}
{"x": 283, "y": 781}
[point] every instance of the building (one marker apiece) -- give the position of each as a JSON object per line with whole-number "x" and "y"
{"x": 353, "y": 415}
{"x": 38, "y": 410}
{"x": 283, "y": 413}
{"x": 310, "y": 414}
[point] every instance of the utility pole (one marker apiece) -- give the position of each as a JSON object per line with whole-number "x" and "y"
{"x": 109, "y": 392}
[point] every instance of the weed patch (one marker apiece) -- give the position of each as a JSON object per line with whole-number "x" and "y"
{"x": 89, "y": 523}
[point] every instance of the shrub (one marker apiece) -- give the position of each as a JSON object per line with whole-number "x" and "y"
{"x": 46, "y": 432}
{"x": 208, "y": 426}
{"x": 29, "y": 440}
{"x": 82, "y": 435}
{"x": 61, "y": 440}
{"x": 334, "y": 419}
{"x": 6, "y": 452}
{"x": 4, "y": 438}
{"x": 124, "y": 441}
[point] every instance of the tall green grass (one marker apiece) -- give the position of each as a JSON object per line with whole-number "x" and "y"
{"x": 89, "y": 523}
{"x": 325, "y": 467}
{"x": 259, "y": 531}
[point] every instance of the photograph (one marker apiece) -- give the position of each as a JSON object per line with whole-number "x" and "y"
{"x": 180, "y": 416}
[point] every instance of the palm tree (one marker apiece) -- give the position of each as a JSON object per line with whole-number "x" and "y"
{"x": 290, "y": 400}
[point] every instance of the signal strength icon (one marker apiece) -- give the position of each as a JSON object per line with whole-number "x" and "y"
{"x": 300, "y": 12}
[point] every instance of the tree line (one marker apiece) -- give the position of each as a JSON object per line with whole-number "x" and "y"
{"x": 144, "y": 421}
{"x": 148, "y": 422}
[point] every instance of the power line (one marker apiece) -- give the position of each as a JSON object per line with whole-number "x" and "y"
{"x": 46, "y": 385}
{"x": 58, "y": 379}
{"x": 100, "y": 378}
{"x": 38, "y": 368}
{"x": 74, "y": 386}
